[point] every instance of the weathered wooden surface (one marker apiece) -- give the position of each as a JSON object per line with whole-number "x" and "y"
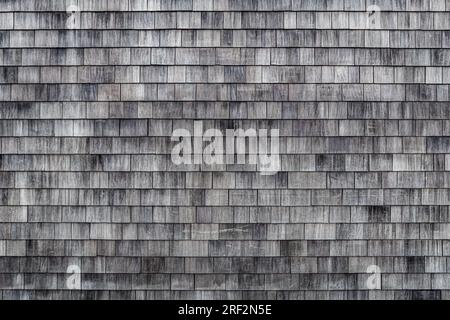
{"x": 86, "y": 114}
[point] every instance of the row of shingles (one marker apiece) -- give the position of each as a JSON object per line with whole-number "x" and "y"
{"x": 220, "y": 197}
{"x": 354, "y": 162}
{"x": 415, "y": 134}
{"x": 375, "y": 179}
{"x": 352, "y": 232}
{"x": 220, "y": 217}
{"x": 227, "y": 38}
{"x": 225, "y": 92}
{"x": 227, "y": 248}
{"x": 229, "y": 180}
{"x": 220, "y": 57}
{"x": 226, "y": 20}
{"x": 291, "y": 282}
{"x": 191, "y": 74}
{"x": 236, "y": 197}
{"x": 217, "y": 282}
{"x": 222, "y": 265}
{"x": 322, "y": 161}
{"x": 163, "y": 116}
{"x": 227, "y": 5}
{"x": 225, "y": 295}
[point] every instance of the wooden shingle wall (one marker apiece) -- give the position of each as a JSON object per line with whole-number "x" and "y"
{"x": 90, "y": 98}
